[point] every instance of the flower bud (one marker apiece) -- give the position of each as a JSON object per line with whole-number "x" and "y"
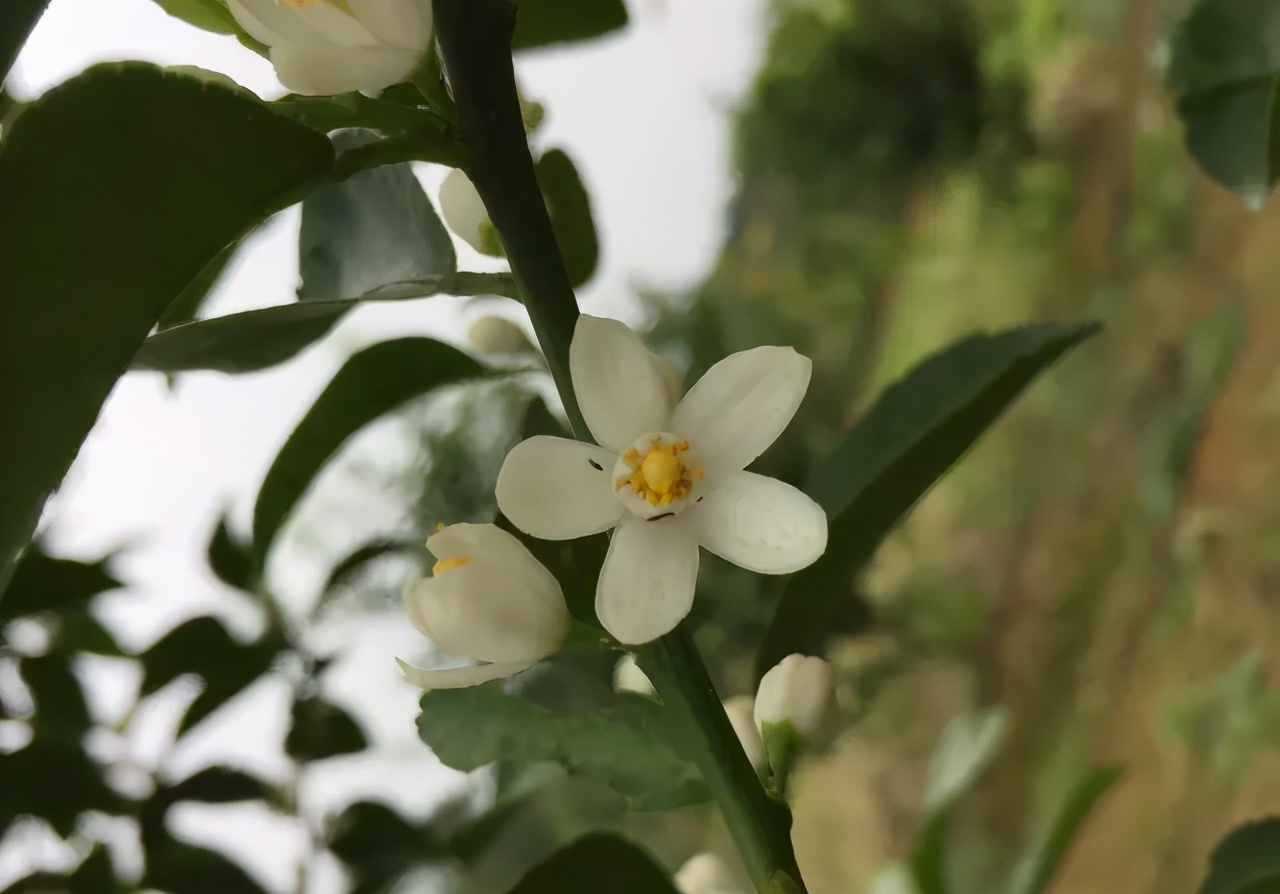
{"x": 488, "y": 599}
{"x": 495, "y": 335}
{"x": 740, "y": 709}
{"x": 464, "y": 213}
{"x": 797, "y": 690}
{"x": 627, "y": 677}
{"x": 708, "y": 873}
{"x": 323, "y": 47}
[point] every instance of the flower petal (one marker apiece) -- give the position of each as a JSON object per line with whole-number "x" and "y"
{"x": 759, "y": 523}
{"x": 325, "y": 70}
{"x": 549, "y": 488}
{"x": 463, "y": 210}
{"x": 740, "y": 406}
{"x": 494, "y": 545}
{"x": 647, "y": 582}
{"x": 621, "y": 386}
{"x": 400, "y": 23}
{"x": 459, "y": 677}
{"x": 318, "y": 25}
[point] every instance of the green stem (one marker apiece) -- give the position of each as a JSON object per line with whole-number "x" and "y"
{"x": 759, "y": 824}
{"x": 475, "y": 45}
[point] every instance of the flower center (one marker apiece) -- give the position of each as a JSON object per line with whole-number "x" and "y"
{"x": 656, "y": 474}
{"x": 449, "y": 564}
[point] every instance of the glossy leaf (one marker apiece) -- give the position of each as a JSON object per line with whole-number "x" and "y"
{"x": 99, "y": 243}
{"x": 209, "y": 15}
{"x": 320, "y": 729}
{"x": 229, "y": 559}
{"x": 186, "y": 306}
{"x": 257, "y": 339}
{"x": 17, "y": 19}
{"x": 373, "y": 382}
{"x": 570, "y": 211}
{"x": 375, "y": 228}
{"x": 43, "y": 583}
{"x": 625, "y": 745}
{"x": 1225, "y": 66}
{"x": 542, "y": 22}
{"x": 582, "y": 865}
{"x": 917, "y": 430}
{"x": 1047, "y": 851}
{"x": 1247, "y": 861}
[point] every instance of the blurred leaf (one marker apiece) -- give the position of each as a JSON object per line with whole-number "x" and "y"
{"x": 94, "y": 875}
{"x": 81, "y": 632}
{"x": 209, "y": 15}
{"x": 625, "y": 745}
{"x": 378, "y": 844}
{"x": 99, "y": 243}
{"x": 55, "y": 781}
{"x": 229, "y": 559}
{"x": 398, "y": 114}
{"x": 917, "y": 430}
{"x": 17, "y": 19}
{"x": 173, "y": 866}
{"x": 373, "y": 229}
{"x": 184, "y": 308}
{"x": 373, "y": 382}
{"x": 570, "y": 211}
{"x": 1225, "y": 66}
{"x": 1247, "y": 861}
{"x": 965, "y": 749}
{"x": 256, "y": 339}
{"x": 215, "y": 785}
{"x": 353, "y": 563}
{"x": 542, "y": 22}
{"x": 61, "y": 713}
{"x": 321, "y": 729}
{"x": 928, "y": 865}
{"x": 203, "y": 646}
{"x": 1045, "y": 854}
{"x": 584, "y": 864}
{"x": 43, "y": 583}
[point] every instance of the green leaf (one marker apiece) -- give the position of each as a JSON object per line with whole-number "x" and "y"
{"x": 375, "y": 228}
{"x": 1225, "y": 66}
{"x": 928, "y": 864}
{"x": 27, "y": 791}
{"x": 320, "y": 729}
{"x": 542, "y": 22}
{"x": 570, "y": 211}
{"x": 373, "y": 382}
{"x": 173, "y": 866}
{"x": 184, "y": 308}
{"x": 1247, "y": 861}
{"x": 231, "y": 560}
{"x": 917, "y": 430}
{"x": 257, "y": 339}
{"x": 61, "y": 713}
{"x": 354, "y": 562}
{"x": 624, "y": 745}
{"x": 583, "y": 865}
{"x": 42, "y": 583}
{"x": 377, "y": 843}
{"x": 215, "y": 785}
{"x": 209, "y": 15}
{"x": 99, "y": 243}
{"x": 17, "y": 19}
{"x": 1042, "y": 859}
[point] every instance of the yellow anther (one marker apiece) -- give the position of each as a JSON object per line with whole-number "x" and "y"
{"x": 439, "y": 526}
{"x": 449, "y": 564}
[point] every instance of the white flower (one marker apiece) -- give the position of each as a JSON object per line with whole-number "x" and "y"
{"x": 488, "y": 599}
{"x": 741, "y": 711}
{"x": 798, "y": 689}
{"x": 627, "y": 677}
{"x": 668, "y": 474}
{"x": 464, "y": 213}
{"x": 707, "y": 873}
{"x": 323, "y": 47}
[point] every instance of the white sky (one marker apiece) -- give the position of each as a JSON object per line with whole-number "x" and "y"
{"x": 644, "y": 116}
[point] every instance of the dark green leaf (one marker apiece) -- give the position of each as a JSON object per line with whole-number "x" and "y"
{"x": 373, "y": 382}
{"x": 542, "y": 22}
{"x": 321, "y": 729}
{"x": 61, "y": 713}
{"x": 625, "y": 746}
{"x": 43, "y": 583}
{"x": 27, "y": 790}
{"x": 256, "y": 339}
{"x": 216, "y": 785}
{"x": 582, "y": 865}
{"x": 929, "y": 856}
{"x": 184, "y": 308}
{"x": 99, "y": 243}
{"x": 1247, "y": 861}
{"x": 351, "y": 565}
{"x": 917, "y": 430}
{"x": 231, "y": 560}
{"x": 81, "y": 632}
{"x": 173, "y": 866}
{"x": 17, "y": 18}
{"x": 570, "y": 211}
{"x": 1047, "y": 851}
{"x": 378, "y": 844}
{"x": 1225, "y": 65}
{"x": 398, "y": 114}
{"x": 373, "y": 229}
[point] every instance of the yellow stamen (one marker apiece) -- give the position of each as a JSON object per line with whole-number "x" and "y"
{"x": 439, "y": 526}
{"x": 660, "y": 474}
{"x": 449, "y": 564}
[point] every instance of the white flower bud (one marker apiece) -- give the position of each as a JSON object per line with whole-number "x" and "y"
{"x": 464, "y": 213}
{"x": 495, "y": 335}
{"x": 741, "y": 710}
{"x": 799, "y": 689}
{"x": 489, "y": 600}
{"x": 627, "y": 677}
{"x": 708, "y": 873}
{"x": 323, "y": 47}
